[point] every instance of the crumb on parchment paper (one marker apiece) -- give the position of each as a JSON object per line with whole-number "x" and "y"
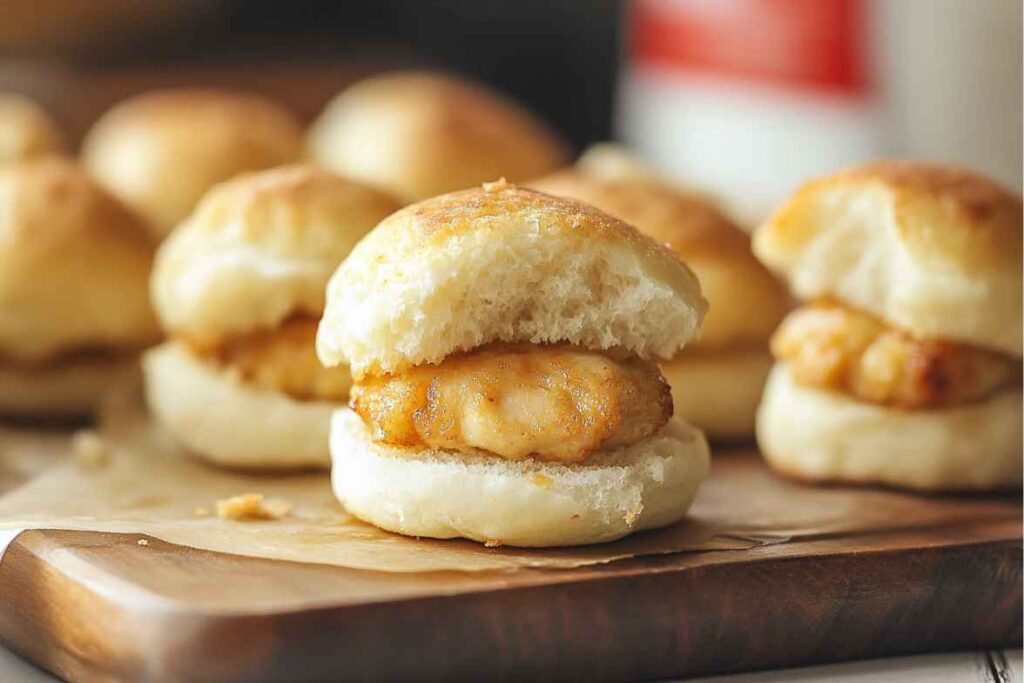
{"x": 142, "y": 542}
{"x": 252, "y": 506}
{"x": 91, "y": 452}
{"x": 202, "y": 512}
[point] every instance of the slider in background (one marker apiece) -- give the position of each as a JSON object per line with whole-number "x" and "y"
{"x": 717, "y": 380}
{"x": 904, "y": 368}
{"x": 503, "y": 345}
{"x": 26, "y": 130}
{"x": 420, "y": 134}
{"x": 239, "y": 287}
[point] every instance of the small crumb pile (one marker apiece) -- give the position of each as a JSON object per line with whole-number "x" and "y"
{"x": 252, "y": 506}
{"x": 90, "y": 450}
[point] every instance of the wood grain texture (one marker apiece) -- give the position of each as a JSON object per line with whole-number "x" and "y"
{"x": 97, "y": 607}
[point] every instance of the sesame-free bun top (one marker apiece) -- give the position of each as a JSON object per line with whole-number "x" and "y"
{"x": 930, "y": 249}
{"x": 259, "y": 248}
{"x": 746, "y": 301}
{"x": 500, "y": 263}
{"x": 26, "y": 131}
{"x": 418, "y": 135}
{"x": 74, "y": 264}
{"x": 161, "y": 151}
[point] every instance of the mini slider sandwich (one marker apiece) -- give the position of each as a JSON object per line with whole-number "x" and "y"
{"x": 904, "y": 368}
{"x": 717, "y": 380}
{"x": 503, "y": 345}
{"x": 239, "y": 288}
{"x": 26, "y": 131}
{"x": 74, "y": 304}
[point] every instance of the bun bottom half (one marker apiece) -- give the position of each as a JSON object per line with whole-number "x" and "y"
{"x": 821, "y": 436}
{"x": 65, "y": 391}
{"x": 443, "y": 494}
{"x": 231, "y": 423}
{"x": 719, "y": 391}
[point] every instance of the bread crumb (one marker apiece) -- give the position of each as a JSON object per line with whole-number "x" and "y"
{"x": 492, "y": 543}
{"x": 202, "y": 512}
{"x": 496, "y": 186}
{"x": 142, "y": 542}
{"x": 252, "y": 506}
{"x": 542, "y": 480}
{"x": 89, "y": 449}
{"x": 574, "y": 517}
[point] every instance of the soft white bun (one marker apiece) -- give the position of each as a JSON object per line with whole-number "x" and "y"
{"x": 259, "y": 248}
{"x": 231, "y": 423}
{"x": 932, "y": 250}
{"x": 26, "y": 131}
{"x": 420, "y": 134}
{"x": 161, "y": 151}
{"x": 719, "y": 391}
{"x": 69, "y": 389}
{"x": 821, "y": 436}
{"x": 441, "y": 494}
{"x": 504, "y": 264}
{"x": 74, "y": 264}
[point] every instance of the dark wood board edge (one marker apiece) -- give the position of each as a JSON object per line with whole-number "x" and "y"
{"x": 716, "y": 618}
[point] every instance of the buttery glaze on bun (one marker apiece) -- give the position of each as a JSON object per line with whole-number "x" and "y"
{"x": 418, "y": 135}
{"x": 516, "y": 303}
{"x": 74, "y": 265}
{"x": 26, "y": 131}
{"x": 161, "y": 151}
{"x": 239, "y": 287}
{"x": 729, "y": 358}
{"x": 931, "y": 249}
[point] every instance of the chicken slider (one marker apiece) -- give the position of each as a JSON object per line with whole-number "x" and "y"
{"x": 239, "y": 287}
{"x": 905, "y": 366}
{"x": 503, "y": 345}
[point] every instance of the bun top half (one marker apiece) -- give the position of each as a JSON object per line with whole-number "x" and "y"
{"x": 930, "y": 249}
{"x": 74, "y": 264}
{"x": 504, "y": 264}
{"x": 746, "y": 301}
{"x": 418, "y": 135}
{"x": 161, "y": 151}
{"x": 26, "y": 131}
{"x": 259, "y": 248}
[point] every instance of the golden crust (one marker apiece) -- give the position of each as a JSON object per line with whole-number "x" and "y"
{"x": 745, "y": 301}
{"x": 26, "y": 131}
{"x": 546, "y": 403}
{"x": 260, "y": 248}
{"x": 932, "y": 249}
{"x": 422, "y": 134}
{"x": 74, "y": 264}
{"x": 161, "y": 151}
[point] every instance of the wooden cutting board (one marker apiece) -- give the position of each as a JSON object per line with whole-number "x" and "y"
{"x": 98, "y": 607}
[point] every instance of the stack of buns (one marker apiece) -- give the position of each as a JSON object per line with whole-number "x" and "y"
{"x": 503, "y": 345}
{"x": 905, "y": 366}
{"x": 718, "y": 379}
{"x": 239, "y": 288}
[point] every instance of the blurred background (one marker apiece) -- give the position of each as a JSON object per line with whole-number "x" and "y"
{"x": 743, "y": 98}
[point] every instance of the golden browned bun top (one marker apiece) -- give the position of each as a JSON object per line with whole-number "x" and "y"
{"x": 161, "y": 151}
{"x": 930, "y": 249}
{"x": 26, "y": 131}
{"x": 745, "y": 301}
{"x": 74, "y": 264}
{"x": 422, "y": 134}
{"x": 260, "y": 248}
{"x": 504, "y": 264}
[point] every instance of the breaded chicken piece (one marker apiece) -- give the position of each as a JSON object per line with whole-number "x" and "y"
{"x": 550, "y": 403}
{"x": 830, "y": 346}
{"x": 282, "y": 359}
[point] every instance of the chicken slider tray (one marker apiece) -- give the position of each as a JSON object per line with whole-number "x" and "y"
{"x": 766, "y": 572}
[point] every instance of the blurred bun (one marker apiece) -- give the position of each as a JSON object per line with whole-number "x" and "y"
{"x": 504, "y": 264}
{"x": 231, "y": 423}
{"x": 420, "y": 134}
{"x": 259, "y": 248}
{"x": 70, "y": 389}
{"x": 822, "y": 436}
{"x": 74, "y": 265}
{"x": 161, "y": 151}
{"x": 527, "y": 503}
{"x": 26, "y": 131}
{"x": 932, "y": 250}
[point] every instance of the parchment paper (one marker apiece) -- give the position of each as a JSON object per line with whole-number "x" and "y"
{"x": 149, "y": 486}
